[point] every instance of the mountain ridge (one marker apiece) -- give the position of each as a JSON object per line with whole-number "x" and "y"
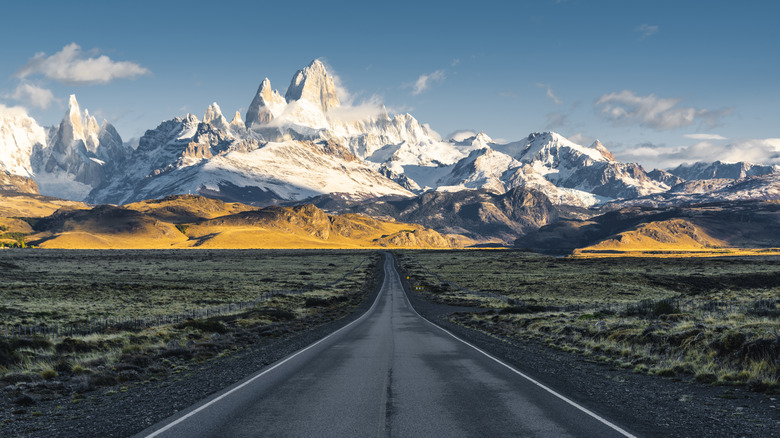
{"x": 307, "y": 145}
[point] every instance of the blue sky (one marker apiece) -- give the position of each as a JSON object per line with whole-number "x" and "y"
{"x": 659, "y": 82}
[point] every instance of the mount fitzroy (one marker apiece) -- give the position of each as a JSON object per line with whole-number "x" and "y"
{"x": 306, "y": 146}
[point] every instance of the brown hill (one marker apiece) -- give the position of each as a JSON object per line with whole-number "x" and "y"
{"x": 17, "y": 204}
{"x": 307, "y": 226}
{"x": 187, "y": 208}
{"x": 194, "y": 221}
{"x": 718, "y": 228}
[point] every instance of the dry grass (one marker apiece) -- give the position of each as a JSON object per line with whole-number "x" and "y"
{"x": 721, "y": 348}
{"x": 67, "y": 286}
{"x": 63, "y": 286}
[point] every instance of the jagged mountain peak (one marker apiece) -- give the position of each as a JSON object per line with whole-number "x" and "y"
{"x": 313, "y": 83}
{"x": 214, "y": 116}
{"x": 266, "y": 105}
{"x": 597, "y": 145}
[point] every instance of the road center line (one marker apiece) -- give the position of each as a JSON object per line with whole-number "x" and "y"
{"x": 521, "y": 374}
{"x": 277, "y": 365}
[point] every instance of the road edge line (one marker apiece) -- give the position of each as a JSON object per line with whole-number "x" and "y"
{"x": 268, "y": 370}
{"x": 583, "y": 409}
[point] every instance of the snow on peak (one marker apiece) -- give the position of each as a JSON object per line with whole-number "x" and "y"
{"x": 597, "y": 145}
{"x": 77, "y": 126}
{"x": 73, "y": 116}
{"x": 237, "y": 124}
{"x": 482, "y": 140}
{"x": 19, "y": 135}
{"x": 214, "y": 116}
{"x": 266, "y": 105}
{"x": 550, "y": 148}
{"x": 314, "y": 85}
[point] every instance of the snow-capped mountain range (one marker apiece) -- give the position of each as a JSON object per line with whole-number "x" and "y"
{"x": 306, "y": 144}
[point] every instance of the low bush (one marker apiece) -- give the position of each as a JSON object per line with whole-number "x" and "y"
{"x": 204, "y": 325}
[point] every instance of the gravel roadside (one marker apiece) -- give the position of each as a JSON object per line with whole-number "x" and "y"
{"x": 647, "y": 406}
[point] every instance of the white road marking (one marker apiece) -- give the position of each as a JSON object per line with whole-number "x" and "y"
{"x": 523, "y": 375}
{"x": 275, "y": 366}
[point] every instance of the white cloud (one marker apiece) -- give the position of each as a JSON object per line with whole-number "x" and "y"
{"x": 461, "y": 134}
{"x": 363, "y": 111}
{"x": 556, "y": 120}
{"x": 625, "y": 107}
{"x": 424, "y": 81}
{"x": 581, "y": 139}
{"x": 760, "y": 151}
{"x": 70, "y": 66}
{"x": 455, "y": 62}
{"x": 705, "y": 137}
{"x": 13, "y": 111}
{"x": 32, "y": 95}
{"x": 345, "y": 97}
{"x": 550, "y": 93}
{"x": 508, "y": 94}
{"x": 646, "y": 30}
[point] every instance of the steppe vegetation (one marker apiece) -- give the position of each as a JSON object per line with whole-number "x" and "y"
{"x": 64, "y": 287}
{"x": 650, "y": 315}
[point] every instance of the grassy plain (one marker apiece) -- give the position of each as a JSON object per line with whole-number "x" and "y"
{"x": 62, "y": 287}
{"x": 739, "y": 346}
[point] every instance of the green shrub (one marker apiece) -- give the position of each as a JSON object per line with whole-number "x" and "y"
{"x": 205, "y": 325}
{"x": 315, "y": 302}
{"x": 663, "y": 308}
{"x": 70, "y": 345}
{"x": 48, "y": 374}
{"x": 8, "y": 354}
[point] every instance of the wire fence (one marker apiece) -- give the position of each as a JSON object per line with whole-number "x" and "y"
{"x": 107, "y": 324}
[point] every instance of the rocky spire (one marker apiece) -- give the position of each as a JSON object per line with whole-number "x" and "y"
{"x": 603, "y": 150}
{"x": 214, "y": 116}
{"x": 314, "y": 85}
{"x": 266, "y": 105}
{"x": 237, "y": 122}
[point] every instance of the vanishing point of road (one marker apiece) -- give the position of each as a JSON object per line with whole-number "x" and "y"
{"x": 389, "y": 373}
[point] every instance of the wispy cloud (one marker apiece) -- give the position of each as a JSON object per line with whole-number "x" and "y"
{"x": 761, "y": 151}
{"x": 556, "y": 120}
{"x": 550, "y": 93}
{"x": 581, "y": 139}
{"x": 424, "y": 81}
{"x": 32, "y": 95}
{"x": 370, "y": 109}
{"x": 71, "y": 66}
{"x": 626, "y": 107}
{"x": 345, "y": 97}
{"x": 461, "y": 134}
{"x": 646, "y": 30}
{"x": 455, "y": 62}
{"x": 705, "y": 137}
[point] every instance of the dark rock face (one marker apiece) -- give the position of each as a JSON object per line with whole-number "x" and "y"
{"x": 478, "y": 214}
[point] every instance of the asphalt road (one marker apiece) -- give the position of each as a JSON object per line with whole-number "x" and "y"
{"x": 389, "y": 373}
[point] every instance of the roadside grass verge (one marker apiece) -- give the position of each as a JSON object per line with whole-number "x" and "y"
{"x": 589, "y": 307}
{"x": 40, "y": 369}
